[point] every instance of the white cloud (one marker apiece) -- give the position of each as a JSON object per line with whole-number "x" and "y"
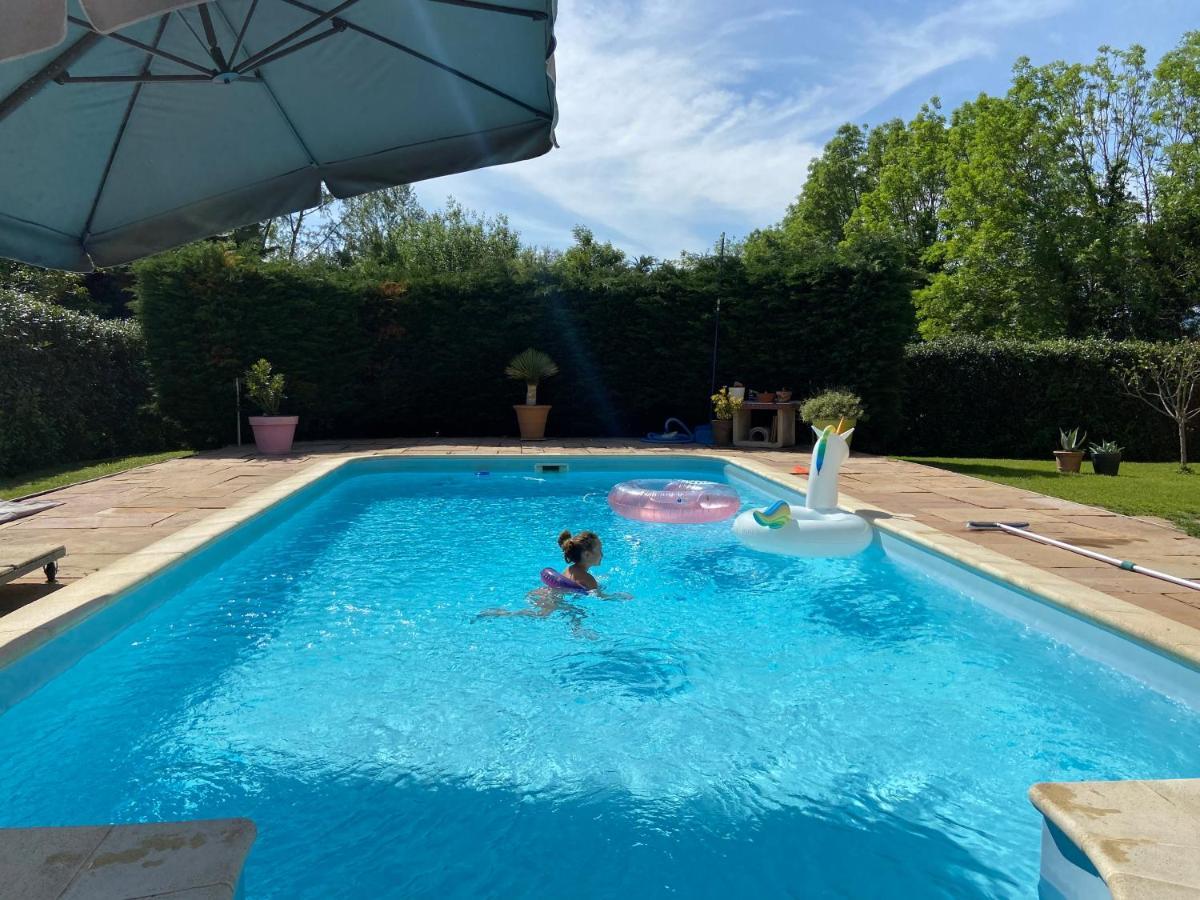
{"x": 677, "y": 120}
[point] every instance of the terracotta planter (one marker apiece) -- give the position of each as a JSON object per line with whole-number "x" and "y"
{"x": 847, "y": 424}
{"x": 532, "y": 420}
{"x": 1068, "y": 460}
{"x": 274, "y": 434}
{"x": 1106, "y": 463}
{"x": 722, "y": 432}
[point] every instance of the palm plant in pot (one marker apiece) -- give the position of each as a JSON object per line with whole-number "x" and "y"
{"x": 1070, "y": 457}
{"x": 273, "y": 433}
{"x": 1106, "y": 457}
{"x": 839, "y": 408}
{"x": 724, "y": 406}
{"x": 531, "y": 366}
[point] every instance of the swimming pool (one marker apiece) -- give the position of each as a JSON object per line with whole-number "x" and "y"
{"x": 747, "y": 725}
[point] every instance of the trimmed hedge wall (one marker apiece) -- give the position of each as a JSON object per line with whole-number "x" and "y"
{"x": 973, "y": 397}
{"x": 428, "y": 356}
{"x": 72, "y": 387}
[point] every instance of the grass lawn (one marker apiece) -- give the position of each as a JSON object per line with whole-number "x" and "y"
{"x": 1142, "y": 489}
{"x": 61, "y": 476}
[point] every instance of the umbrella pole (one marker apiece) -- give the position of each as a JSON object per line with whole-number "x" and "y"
{"x": 717, "y": 320}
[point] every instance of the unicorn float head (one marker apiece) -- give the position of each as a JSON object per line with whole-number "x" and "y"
{"x": 829, "y": 452}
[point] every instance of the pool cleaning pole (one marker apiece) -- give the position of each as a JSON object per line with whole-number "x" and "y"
{"x": 1020, "y": 529}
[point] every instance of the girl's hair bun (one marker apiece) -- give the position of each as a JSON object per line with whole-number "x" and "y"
{"x": 564, "y": 538}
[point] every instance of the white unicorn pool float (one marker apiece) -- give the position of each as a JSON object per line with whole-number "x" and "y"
{"x": 818, "y": 528}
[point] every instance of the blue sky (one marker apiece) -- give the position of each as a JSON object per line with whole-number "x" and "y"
{"x": 680, "y": 120}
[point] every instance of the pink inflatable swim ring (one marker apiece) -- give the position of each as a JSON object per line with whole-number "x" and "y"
{"x": 677, "y": 502}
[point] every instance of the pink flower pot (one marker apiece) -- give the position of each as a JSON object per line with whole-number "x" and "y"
{"x": 274, "y": 434}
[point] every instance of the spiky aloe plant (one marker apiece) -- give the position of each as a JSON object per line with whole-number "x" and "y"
{"x": 1070, "y": 441}
{"x": 531, "y": 366}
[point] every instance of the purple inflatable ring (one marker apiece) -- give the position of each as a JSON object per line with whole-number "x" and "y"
{"x": 560, "y": 582}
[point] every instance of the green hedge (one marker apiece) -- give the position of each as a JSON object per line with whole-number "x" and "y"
{"x": 72, "y": 387}
{"x": 427, "y": 356}
{"x": 974, "y": 397}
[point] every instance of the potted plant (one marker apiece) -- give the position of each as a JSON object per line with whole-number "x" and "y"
{"x": 840, "y": 408}
{"x": 724, "y": 406}
{"x": 273, "y": 433}
{"x": 1106, "y": 457}
{"x": 1070, "y": 457}
{"x": 531, "y": 366}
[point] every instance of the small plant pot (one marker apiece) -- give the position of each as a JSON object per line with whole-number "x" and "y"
{"x": 1068, "y": 461}
{"x": 1106, "y": 463}
{"x": 274, "y": 434}
{"x": 847, "y": 424}
{"x": 532, "y": 421}
{"x": 722, "y": 430}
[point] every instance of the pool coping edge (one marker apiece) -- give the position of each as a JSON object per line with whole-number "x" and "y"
{"x": 1141, "y": 836}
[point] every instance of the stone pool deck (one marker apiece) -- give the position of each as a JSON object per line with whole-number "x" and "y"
{"x": 102, "y": 521}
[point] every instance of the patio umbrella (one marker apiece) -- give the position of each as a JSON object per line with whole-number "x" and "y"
{"x": 130, "y": 126}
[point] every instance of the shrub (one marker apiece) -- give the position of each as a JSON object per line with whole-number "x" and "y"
{"x": 1004, "y": 398}
{"x": 724, "y": 406}
{"x": 835, "y": 404}
{"x": 72, "y": 387}
{"x": 264, "y": 388}
{"x": 209, "y": 313}
{"x": 390, "y": 358}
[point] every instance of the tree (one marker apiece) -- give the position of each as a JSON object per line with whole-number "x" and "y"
{"x": 588, "y": 256}
{"x": 906, "y": 200}
{"x": 837, "y": 180}
{"x": 1168, "y": 380}
{"x": 1067, "y": 207}
{"x": 44, "y": 285}
{"x": 999, "y": 267}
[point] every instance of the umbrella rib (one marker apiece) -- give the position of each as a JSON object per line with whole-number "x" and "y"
{"x": 135, "y": 79}
{"x": 535, "y": 15}
{"x": 183, "y": 19}
{"x": 112, "y": 153}
{"x": 146, "y": 47}
{"x": 396, "y": 45}
{"x": 214, "y": 46}
{"x": 237, "y": 45}
{"x": 312, "y": 160}
{"x": 324, "y": 16}
{"x": 338, "y": 27}
{"x": 48, "y": 73}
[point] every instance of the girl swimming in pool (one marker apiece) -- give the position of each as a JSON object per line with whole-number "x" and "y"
{"x": 583, "y": 551}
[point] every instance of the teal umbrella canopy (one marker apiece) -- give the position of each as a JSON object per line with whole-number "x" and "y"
{"x": 131, "y": 126}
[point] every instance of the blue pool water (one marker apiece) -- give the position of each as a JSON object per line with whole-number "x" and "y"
{"x": 746, "y": 726}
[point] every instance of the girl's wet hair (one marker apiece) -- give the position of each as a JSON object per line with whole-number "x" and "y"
{"x": 573, "y": 548}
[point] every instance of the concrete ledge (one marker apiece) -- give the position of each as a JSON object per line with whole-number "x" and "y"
{"x": 199, "y": 860}
{"x": 1143, "y": 837}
